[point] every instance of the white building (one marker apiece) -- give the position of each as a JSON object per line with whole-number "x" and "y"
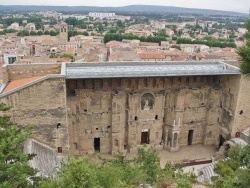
{"x": 14, "y": 26}
{"x": 101, "y": 15}
{"x": 30, "y": 27}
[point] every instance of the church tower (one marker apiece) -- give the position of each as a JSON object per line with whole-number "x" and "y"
{"x": 63, "y": 33}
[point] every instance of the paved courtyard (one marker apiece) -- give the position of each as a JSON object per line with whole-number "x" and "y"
{"x": 185, "y": 153}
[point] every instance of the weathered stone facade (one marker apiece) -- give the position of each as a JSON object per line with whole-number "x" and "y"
{"x": 82, "y": 115}
{"x": 163, "y": 111}
{"x": 41, "y": 104}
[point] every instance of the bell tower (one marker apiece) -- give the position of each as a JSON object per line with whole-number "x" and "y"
{"x": 63, "y": 33}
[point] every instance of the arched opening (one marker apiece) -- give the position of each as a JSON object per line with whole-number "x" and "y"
{"x": 175, "y": 139}
{"x": 147, "y": 101}
{"x": 190, "y": 137}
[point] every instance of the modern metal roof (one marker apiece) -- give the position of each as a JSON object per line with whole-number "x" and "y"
{"x": 145, "y": 69}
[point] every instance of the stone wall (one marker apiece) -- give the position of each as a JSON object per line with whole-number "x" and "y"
{"x": 242, "y": 112}
{"x": 42, "y": 105}
{"x": 119, "y": 114}
{"x": 16, "y": 72}
{"x": 45, "y": 160}
{"x": 230, "y": 87}
{"x": 159, "y": 111}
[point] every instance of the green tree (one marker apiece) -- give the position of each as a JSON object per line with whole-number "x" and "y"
{"x": 72, "y": 33}
{"x": 161, "y": 33}
{"x": 71, "y": 21}
{"x": 53, "y": 33}
{"x": 119, "y": 23}
{"x": 234, "y": 171}
{"x": 244, "y": 52}
{"x": 85, "y": 33}
{"x": 32, "y": 33}
{"x": 68, "y": 56}
{"x": 112, "y": 31}
{"x": 23, "y": 33}
{"x": 46, "y": 32}
{"x": 40, "y": 33}
{"x": 119, "y": 172}
{"x": 149, "y": 162}
{"x": 84, "y": 26}
{"x": 14, "y": 169}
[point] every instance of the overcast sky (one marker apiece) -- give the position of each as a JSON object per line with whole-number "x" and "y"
{"x": 230, "y": 5}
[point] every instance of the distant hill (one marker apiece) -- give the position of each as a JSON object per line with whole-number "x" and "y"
{"x": 131, "y": 8}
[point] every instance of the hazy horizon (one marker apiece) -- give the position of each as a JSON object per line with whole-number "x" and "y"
{"x": 230, "y": 5}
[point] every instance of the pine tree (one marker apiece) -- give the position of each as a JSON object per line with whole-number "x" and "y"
{"x": 244, "y": 52}
{"x": 14, "y": 168}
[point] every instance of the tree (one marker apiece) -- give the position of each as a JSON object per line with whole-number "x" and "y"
{"x": 119, "y": 172}
{"x": 85, "y": 33}
{"x": 149, "y": 162}
{"x": 71, "y": 21}
{"x": 68, "y": 56}
{"x": 161, "y": 33}
{"x": 119, "y": 23}
{"x": 46, "y": 32}
{"x": 84, "y": 26}
{"x": 40, "y": 33}
{"x": 53, "y": 33}
{"x": 23, "y": 33}
{"x": 112, "y": 31}
{"x": 14, "y": 168}
{"x": 244, "y": 52}
{"x": 32, "y": 33}
{"x": 234, "y": 171}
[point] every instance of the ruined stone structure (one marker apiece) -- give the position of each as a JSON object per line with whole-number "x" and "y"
{"x": 109, "y": 107}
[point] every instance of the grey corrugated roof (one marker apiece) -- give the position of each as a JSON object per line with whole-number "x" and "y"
{"x": 145, "y": 69}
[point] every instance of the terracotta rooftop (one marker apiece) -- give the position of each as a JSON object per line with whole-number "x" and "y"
{"x": 151, "y": 55}
{"x": 69, "y": 51}
{"x": 18, "y": 83}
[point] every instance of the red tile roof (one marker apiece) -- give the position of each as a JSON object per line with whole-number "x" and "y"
{"x": 18, "y": 83}
{"x": 151, "y": 55}
{"x": 70, "y": 51}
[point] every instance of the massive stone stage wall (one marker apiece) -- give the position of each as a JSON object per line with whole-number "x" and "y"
{"x": 115, "y": 114}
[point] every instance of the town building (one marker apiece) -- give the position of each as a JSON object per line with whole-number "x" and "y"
{"x": 101, "y": 15}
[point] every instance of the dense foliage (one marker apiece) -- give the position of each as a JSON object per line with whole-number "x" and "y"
{"x": 244, "y": 52}
{"x": 210, "y": 43}
{"x": 122, "y": 173}
{"x": 234, "y": 171}
{"x": 14, "y": 169}
{"x": 119, "y": 37}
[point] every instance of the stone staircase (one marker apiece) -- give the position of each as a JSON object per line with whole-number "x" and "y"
{"x": 46, "y": 160}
